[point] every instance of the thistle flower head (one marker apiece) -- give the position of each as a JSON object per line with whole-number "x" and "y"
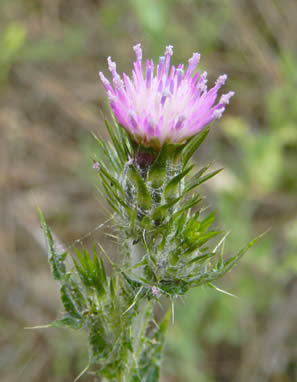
{"x": 163, "y": 104}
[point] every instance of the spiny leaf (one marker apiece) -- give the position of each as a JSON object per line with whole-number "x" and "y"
{"x": 107, "y": 155}
{"x": 56, "y": 261}
{"x": 144, "y": 198}
{"x": 172, "y": 187}
{"x": 189, "y": 204}
{"x": 96, "y": 336}
{"x": 84, "y": 260}
{"x": 234, "y": 259}
{"x": 201, "y": 258}
{"x": 200, "y": 172}
{"x": 116, "y": 143}
{"x": 197, "y": 176}
{"x": 111, "y": 178}
{"x": 203, "y": 278}
{"x": 135, "y": 285}
{"x": 134, "y": 301}
{"x": 68, "y": 302}
{"x": 99, "y": 266}
{"x": 201, "y": 180}
{"x": 206, "y": 223}
{"x": 180, "y": 225}
{"x": 123, "y": 137}
{"x": 215, "y": 273}
{"x": 77, "y": 294}
{"x": 157, "y": 172}
{"x": 193, "y": 145}
{"x": 161, "y": 212}
{"x": 112, "y": 288}
{"x": 197, "y": 242}
{"x": 110, "y": 198}
{"x": 80, "y": 270}
{"x": 115, "y": 198}
{"x": 67, "y": 322}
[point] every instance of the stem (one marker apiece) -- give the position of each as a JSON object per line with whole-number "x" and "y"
{"x": 139, "y": 328}
{"x": 142, "y": 318}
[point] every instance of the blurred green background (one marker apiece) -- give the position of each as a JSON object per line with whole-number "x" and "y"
{"x": 50, "y": 102}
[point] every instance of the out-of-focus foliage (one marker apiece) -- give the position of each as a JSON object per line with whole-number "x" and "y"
{"x": 12, "y": 40}
{"x": 50, "y": 100}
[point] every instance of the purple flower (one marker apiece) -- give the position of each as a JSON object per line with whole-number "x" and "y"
{"x": 164, "y": 105}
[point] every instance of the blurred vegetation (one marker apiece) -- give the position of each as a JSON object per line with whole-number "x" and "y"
{"x": 51, "y": 99}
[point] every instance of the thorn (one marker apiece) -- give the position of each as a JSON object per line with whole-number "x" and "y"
{"x": 38, "y": 327}
{"x": 172, "y": 311}
{"x": 222, "y": 290}
{"x": 155, "y": 323}
{"x": 134, "y": 302}
{"x": 220, "y": 242}
{"x": 105, "y": 254}
{"x": 82, "y": 373}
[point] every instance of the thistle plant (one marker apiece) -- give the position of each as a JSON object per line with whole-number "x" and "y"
{"x": 165, "y": 237}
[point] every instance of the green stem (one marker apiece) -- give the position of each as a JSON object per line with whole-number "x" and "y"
{"x": 142, "y": 318}
{"x": 139, "y": 329}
